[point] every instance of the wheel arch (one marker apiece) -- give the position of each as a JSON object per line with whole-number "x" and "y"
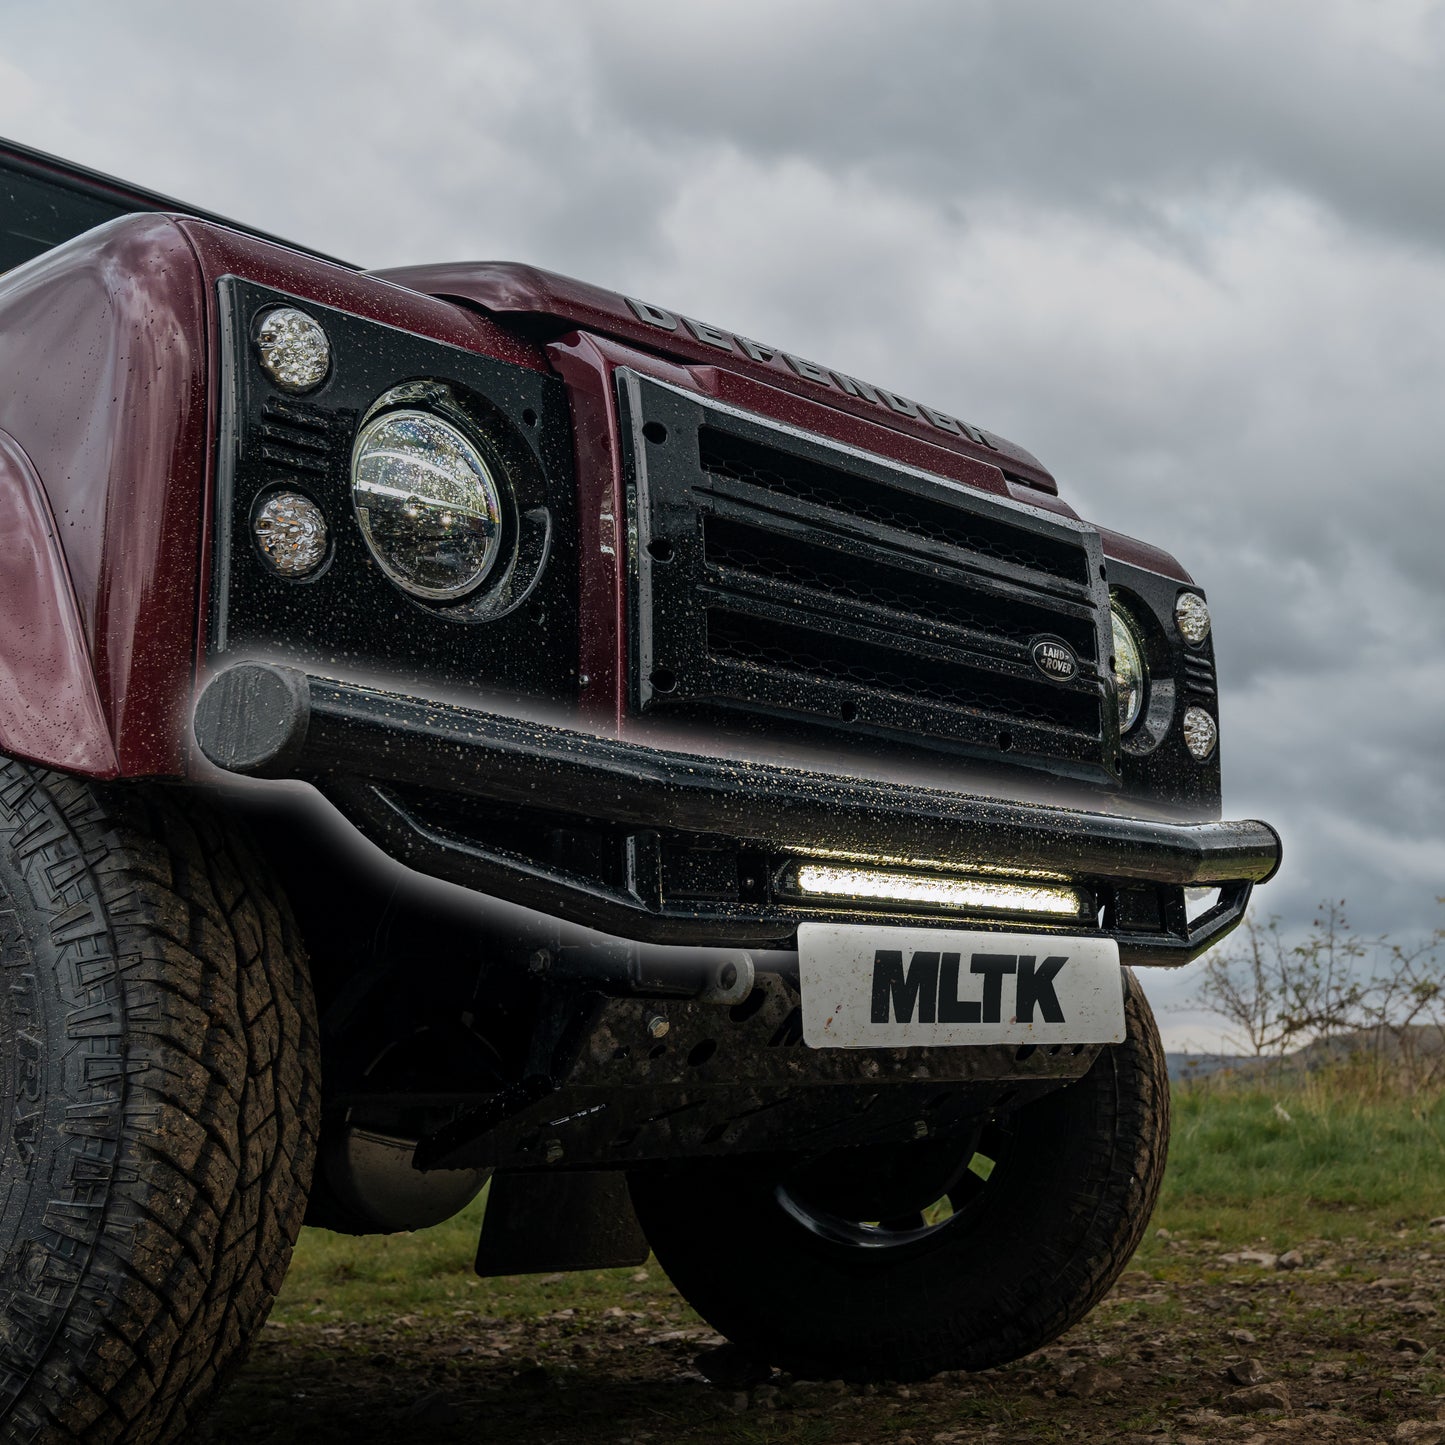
{"x": 50, "y": 707}
{"x": 104, "y": 399}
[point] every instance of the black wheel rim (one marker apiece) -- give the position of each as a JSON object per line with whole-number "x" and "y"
{"x": 922, "y": 1215}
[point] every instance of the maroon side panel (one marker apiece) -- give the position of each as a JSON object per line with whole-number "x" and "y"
{"x": 102, "y": 382}
{"x": 108, "y": 377}
{"x": 50, "y": 711}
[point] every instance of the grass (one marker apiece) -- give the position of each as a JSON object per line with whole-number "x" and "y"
{"x": 1256, "y": 1164}
{"x": 1312, "y": 1157}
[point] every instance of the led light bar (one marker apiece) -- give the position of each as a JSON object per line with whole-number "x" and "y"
{"x": 994, "y": 894}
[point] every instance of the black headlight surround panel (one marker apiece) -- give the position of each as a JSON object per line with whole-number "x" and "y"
{"x": 515, "y": 635}
{"x": 1156, "y": 763}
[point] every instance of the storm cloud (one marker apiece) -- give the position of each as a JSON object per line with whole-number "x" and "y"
{"x": 1191, "y": 256}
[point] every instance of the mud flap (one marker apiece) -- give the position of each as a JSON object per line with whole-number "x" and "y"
{"x": 540, "y": 1223}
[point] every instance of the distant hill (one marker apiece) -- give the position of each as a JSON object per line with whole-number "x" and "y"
{"x": 1421, "y": 1041}
{"x": 1200, "y": 1066}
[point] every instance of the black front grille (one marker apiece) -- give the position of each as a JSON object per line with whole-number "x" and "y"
{"x": 780, "y": 575}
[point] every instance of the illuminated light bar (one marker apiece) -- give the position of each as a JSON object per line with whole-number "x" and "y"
{"x": 996, "y": 895}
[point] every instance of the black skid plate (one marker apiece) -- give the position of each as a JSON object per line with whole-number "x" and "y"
{"x": 717, "y": 1081}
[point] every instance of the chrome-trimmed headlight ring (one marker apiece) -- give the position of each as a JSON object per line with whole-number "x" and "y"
{"x": 1131, "y": 671}
{"x": 428, "y": 502}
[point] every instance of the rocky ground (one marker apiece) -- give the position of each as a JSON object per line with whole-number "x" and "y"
{"x": 1327, "y": 1343}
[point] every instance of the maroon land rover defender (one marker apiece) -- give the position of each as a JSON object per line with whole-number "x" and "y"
{"x": 464, "y": 728}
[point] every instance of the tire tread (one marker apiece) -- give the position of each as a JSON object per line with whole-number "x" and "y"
{"x": 216, "y": 1088}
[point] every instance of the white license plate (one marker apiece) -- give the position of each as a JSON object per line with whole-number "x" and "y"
{"x": 881, "y": 988}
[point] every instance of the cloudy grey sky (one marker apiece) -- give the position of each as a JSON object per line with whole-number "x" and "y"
{"x": 1192, "y": 256}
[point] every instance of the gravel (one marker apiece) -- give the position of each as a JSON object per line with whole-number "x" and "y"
{"x": 1208, "y": 1345}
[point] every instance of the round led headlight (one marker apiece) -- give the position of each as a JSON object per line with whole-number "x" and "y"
{"x": 1130, "y": 673}
{"x": 1191, "y": 612}
{"x": 293, "y": 349}
{"x": 1201, "y": 733}
{"x": 427, "y": 503}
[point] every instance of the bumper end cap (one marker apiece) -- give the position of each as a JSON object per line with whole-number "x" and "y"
{"x": 253, "y": 719}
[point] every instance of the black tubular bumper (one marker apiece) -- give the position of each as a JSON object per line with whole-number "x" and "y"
{"x": 676, "y": 848}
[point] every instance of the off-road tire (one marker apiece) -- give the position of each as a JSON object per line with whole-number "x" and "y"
{"x": 159, "y": 1098}
{"x": 1043, "y": 1242}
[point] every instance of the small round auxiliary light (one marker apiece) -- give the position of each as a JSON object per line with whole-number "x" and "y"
{"x": 1201, "y": 732}
{"x": 1191, "y": 612}
{"x": 291, "y": 533}
{"x": 293, "y": 349}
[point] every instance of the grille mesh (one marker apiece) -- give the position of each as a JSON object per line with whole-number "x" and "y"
{"x": 813, "y": 654}
{"x": 898, "y": 586}
{"x": 837, "y": 491}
